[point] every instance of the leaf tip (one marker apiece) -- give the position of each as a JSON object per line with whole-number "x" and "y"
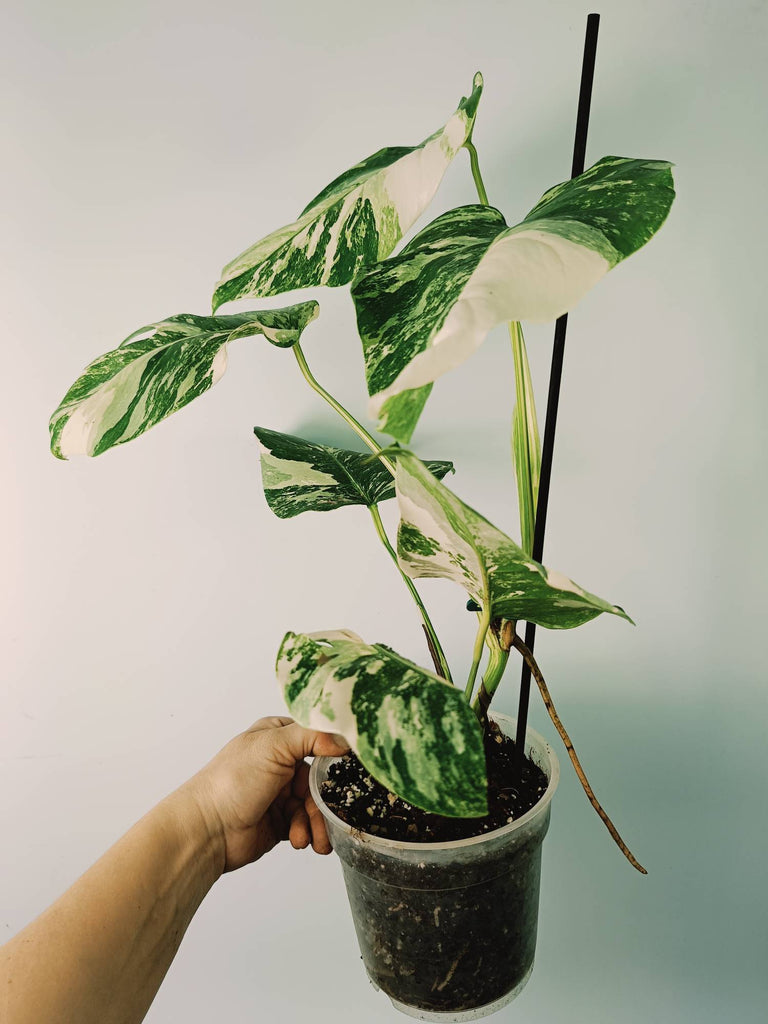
{"x": 618, "y": 610}
{"x": 475, "y": 808}
{"x": 469, "y": 103}
{"x": 217, "y": 299}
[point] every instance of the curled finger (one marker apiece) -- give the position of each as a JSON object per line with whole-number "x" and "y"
{"x": 320, "y": 841}
{"x": 299, "y": 830}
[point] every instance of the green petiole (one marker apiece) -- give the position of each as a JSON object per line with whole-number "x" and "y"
{"x": 441, "y": 662}
{"x": 435, "y": 648}
{"x": 484, "y": 622}
{"x": 358, "y": 428}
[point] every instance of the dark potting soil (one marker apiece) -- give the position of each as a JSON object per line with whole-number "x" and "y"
{"x": 362, "y": 802}
{"x": 443, "y": 935}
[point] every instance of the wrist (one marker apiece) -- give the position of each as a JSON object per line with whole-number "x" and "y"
{"x": 199, "y": 829}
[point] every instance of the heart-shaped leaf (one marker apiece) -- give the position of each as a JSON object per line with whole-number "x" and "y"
{"x": 411, "y": 730}
{"x": 356, "y": 220}
{"x": 441, "y": 536}
{"x": 303, "y": 476}
{"x": 158, "y": 370}
{"x": 426, "y": 310}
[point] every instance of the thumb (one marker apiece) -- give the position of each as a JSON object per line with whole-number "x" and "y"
{"x": 299, "y": 742}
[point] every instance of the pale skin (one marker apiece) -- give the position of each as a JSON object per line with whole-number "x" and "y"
{"x": 100, "y": 952}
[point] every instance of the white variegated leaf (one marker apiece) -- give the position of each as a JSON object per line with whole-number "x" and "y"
{"x": 426, "y": 310}
{"x": 356, "y": 220}
{"x": 442, "y": 537}
{"x": 158, "y": 370}
{"x": 304, "y": 476}
{"x": 411, "y": 730}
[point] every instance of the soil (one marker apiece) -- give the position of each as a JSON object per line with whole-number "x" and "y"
{"x": 362, "y": 802}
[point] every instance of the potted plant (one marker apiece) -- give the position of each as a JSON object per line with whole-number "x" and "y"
{"x": 438, "y": 825}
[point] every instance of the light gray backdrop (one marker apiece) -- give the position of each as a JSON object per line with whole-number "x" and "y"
{"x": 145, "y": 592}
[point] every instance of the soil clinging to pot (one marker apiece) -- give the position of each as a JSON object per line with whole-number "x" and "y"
{"x": 362, "y": 802}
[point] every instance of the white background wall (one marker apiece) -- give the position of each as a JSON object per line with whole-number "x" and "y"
{"x": 145, "y": 592}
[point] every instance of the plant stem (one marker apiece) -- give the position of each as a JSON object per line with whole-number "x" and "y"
{"x": 470, "y": 147}
{"x": 358, "y": 428}
{"x": 526, "y": 446}
{"x": 484, "y": 622}
{"x": 481, "y": 704}
{"x": 435, "y": 648}
{"x": 530, "y": 661}
{"x": 438, "y": 656}
{"x": 494, "y": 670}
{"x": 524, "y": 430}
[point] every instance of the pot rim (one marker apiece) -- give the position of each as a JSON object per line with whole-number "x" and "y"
{"x": 533, "y": 743}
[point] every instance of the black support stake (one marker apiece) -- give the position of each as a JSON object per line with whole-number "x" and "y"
{"x": 558, "y": 350}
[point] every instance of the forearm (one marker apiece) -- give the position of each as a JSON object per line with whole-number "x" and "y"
{"x": 99, "y": 954}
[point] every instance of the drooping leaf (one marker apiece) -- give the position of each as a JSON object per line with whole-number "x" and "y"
{"x": 424, "y": 311}
{"x": 356, "y": 220}
{"x": 158, "y": 370}
{"x": 412, "y": 731}
{"x": 526, "y": 446}
{"x": 440, "y": 536}
{"x": 303, "y": 476}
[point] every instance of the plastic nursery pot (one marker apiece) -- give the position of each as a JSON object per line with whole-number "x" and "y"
{"x": 447, "y": 930}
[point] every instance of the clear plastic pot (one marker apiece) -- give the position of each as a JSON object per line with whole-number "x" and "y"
{"x": 447, "y": 930}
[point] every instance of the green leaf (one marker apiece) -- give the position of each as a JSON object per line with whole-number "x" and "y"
{"x": 411, "y": 730}
{"x": 399, "y": 415}
{"x": 158, "y": 370}
{"x": 440, "y": 536}
{"x": 526, "y": 446}
{"x": 356, "y": 220}
{"x": 426, "y": 310}
{"x": 303, "y": 476}
{"x": 400, "y": 301}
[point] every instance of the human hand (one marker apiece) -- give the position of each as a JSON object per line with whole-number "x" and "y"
{"x": 255, "y": 791}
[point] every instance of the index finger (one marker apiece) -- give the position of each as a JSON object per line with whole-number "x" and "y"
{"x": 271, "y": 722}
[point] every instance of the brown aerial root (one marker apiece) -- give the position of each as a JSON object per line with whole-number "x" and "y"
{"x": 519, "y": 645}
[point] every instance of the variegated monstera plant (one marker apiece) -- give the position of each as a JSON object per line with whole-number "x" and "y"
{"x": 420, "y": 313}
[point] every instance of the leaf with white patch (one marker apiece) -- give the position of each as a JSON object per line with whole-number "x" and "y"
{"x": 356, "y": 220}
{"x": 426, "y": 310}
{"x": 440, "y": 536}
{"x": 304, "y": 476}
{"x": 158, "y": 370}
{"x": 400, "y": 413}
{"x": 411, "y": 730}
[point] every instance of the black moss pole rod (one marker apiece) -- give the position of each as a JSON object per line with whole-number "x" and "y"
{"x": 579, "y": 151}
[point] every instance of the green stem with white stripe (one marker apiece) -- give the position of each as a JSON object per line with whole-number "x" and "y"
{"x": 435, "y": 649}
{"x": 494, "y": 670}
{"x": 526, "y": 445}
{"x": 526, "y": 457}
{"x": 484, "y": 622}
